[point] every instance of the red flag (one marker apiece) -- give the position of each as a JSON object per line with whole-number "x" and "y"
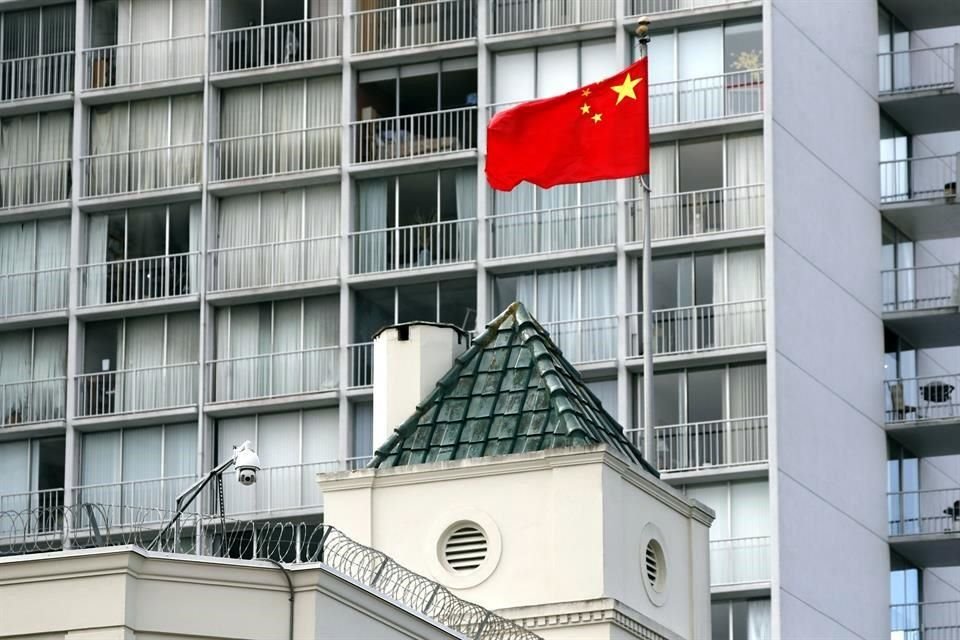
{"x": 596, "y": 132}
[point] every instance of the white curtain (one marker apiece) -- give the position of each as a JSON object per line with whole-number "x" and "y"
{"x": 149, "y": 21}
{"x": 179, "y": 460}
{"x": 56, "y": 135}
{"x": 243, "y": 334}
{"x": 141, "y": 386}
{"x": 322, "y": 217}
{"x": 150, "y": 168}
{"x": 557, "y": 227}
{"x": 15, "y": 479}
{"x": 744, "y": 205}
{"x": 233, "y": 432}
{"x": 194, "y": 246}
{"x": 109, "y": 133}
{"x": 15, "y": 367}
{"x": 598, "y": 333}
{"x": 278, "y": 445}
{"x": 758, "y": 620}
{"x": 187, "y": 128}
{"x": 321, "y": 329}
{"x": 514, "y": 235}
{"x": 142, "y": 492}
{"x": 17, "y": 243}
{"x": 370, "y": 249}
{"x": 466, "y": 189}
{"x": 281, "y": 221}
{"x": 526, "y": 293}
{"x": 323, "y": 110}
{"x": 100, "y": 465}
{"x": 598, "y": 224}
{"x": 287, "y": 359}
{"x": 183, "y": 347}
{"x": 320, "y": 450}
{"x": 238, "y": 225}
{"x": 187, "y": 54}
{"x": 94, "y": 279}
{"x": 665, "y": 212}
{"x": 53, "y": 252}
{"x": 283, "y": 116}
{"x": 556, "y": 306}
{"x": 49, "y": 363}
{"x": 18, "y": 147}
{"x": 744, "y": 322}
{"x": 240, "y": 115}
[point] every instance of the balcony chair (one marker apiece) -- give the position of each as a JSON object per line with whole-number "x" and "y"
{"x": 899, "y": 409}
{"x": 953, "y": 511}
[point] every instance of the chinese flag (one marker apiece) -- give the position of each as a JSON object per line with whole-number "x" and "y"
{"x": 596, "y": 132}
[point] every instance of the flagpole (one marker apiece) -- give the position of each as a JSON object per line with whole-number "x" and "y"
{"x": 649, "y": 448}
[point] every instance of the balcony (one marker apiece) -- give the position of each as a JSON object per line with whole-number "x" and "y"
{"x": 920, "y": 88}
{"x": 41, "y": 76}
{"x": 699, "y": 215}
{"x": 274, "y": 264}
{"x": 925, "y": 526}
{"x": 141, "y": 170}
{"x": 413, "y": 25}
{"x": 361, "y": 365}
{"x": 273, "y": 376}
{"x": 278, "y": 45}
{"x": 138, "y": 64}
{"x": 718, "y": 445}
{"x": 925, "y": 621}
{"x": 132, "y": 503}
{"x": 437, "y": 133}
{"x": 740, "y": 562}
{"x": 924, "y": 14}
{"x": 278, "y": 489}
{"x": 31, "y": 292}
{"x": 921, "y": 304}
{"x": 32, "y": 402}
{"x": 160, "y": 388}
{"x": 552, "y": 230}
{"x": 654, "y": 7}
{"x": 585, "y": 341}
{"x": 138, "y": 280}
{"x": 33, "y": 513}
{"x": 924, "y": 414}
{"x": 35, "y": 184}
{"x": 919, "y": 195}
{"x": 729, "y": 95}
{"x": 277, "y": 153}
{"x": 520, "y": 16}
{"x": 413, "y": 246}
{"x": 701, "y": 329}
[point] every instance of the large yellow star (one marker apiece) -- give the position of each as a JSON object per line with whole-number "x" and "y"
{"x": 585, "y": 109}
{"x": 625, "y": 90}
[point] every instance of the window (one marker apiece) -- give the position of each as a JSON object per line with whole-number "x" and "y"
{"x": 906, "y": 594}
{"x": 35, "y": 153}
{"x": 900, "y": 376}
{"x": 903, "y": 485}
{"x": 899, "y": 277}
{"x": 893, "y": 37}
{"x": 34, "y": 256}
{"x": 450, "y": 301}
{"x": 548, "y": 71}
{"x": 606, "y": 392}
{"x": 741, "y": 619}
{"x": 361, "y": 433}
{"x": 33, "y": 366}
{"x": 32, "y": 476}
{"x": 895, "y": 167}
{"x": 37, "y": 52}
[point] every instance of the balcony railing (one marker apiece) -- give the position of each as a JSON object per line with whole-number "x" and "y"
{"x": 920, "y": 288}
{"x": 925, "y": 621}
{"x": 729, "y": 95}
{"x": 273, "y": 375}
{"x": 648, "y": 7}
{"x": 917, "y": 69}
{"x": 38, "y": 512}
{"x": 35, "y": 183}
{"x": 361, "y": 364}
{"x": 913, "y": 179}
{"x": 37, "y": 76}
{"x": 274, "y": 263}
{"x": 699, "y": 213}
{"x": 171, "y": 386}
{"x": 927, "y": 398}
{"x": 739, "y": 561}
{"x": 930, "y": 512}
{"x": 32, "y": 401}
{"x": 358, "y": 462}
{"x": 140, "y": 63}
{"x": 416, "y": 135}
{"x": 413, "y": 25}
{"x": 515, "y": 16}
{"x": 33, "y": 291}
{"x": 279, "y": 489}
{"x": 552, "y": 230}
{"x": 586, "y": 340}
{"x": 134, "y": 502}
{"x": 138, "y": 279}
{"x": 413, "y": 246}
{"x": 274, "y": 45}
{"x": 709, "y": 445}
{"x": 276, "y": 153}
{"x": 141, "y": 170}
{"x": 695, "y": 329}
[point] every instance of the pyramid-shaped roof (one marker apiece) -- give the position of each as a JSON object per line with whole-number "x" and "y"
{"x": 512, "y": 391}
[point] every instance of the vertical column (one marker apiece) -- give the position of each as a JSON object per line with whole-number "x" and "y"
{"x": 484, "y": 86}
{"x": 624, "y": 392}
{"x": 347, "y": 108}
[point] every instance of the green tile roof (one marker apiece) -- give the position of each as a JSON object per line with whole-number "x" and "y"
{"x": 512, "y": 391}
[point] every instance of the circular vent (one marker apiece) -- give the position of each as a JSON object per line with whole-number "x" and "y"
{"x": 653, "y": 565}
{"x": 465, "y": 548}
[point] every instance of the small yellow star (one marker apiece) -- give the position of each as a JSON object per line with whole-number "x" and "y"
{"x": 585, "y": 109}
{"x": 597, "y": 117}
{"x": 625, "y": 90}
{"x": 585, "y": 93}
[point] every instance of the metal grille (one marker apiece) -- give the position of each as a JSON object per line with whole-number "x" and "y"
{"x": 652, "y": 563}
{"x": 465, "y": 548}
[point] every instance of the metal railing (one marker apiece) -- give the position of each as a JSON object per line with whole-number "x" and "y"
{"x": 413, "y": 246}
{"x": 413, "y": 25}
{"x": 278, "y": 489}
{"x": 141, "y": 170}
{"x": 33, "y": 291}
{"x": 551, "y": 230}
{"x": 927, "y": 512}
{"x": 585, "y": 340}
{"x": 150, "y": 499}
{"x": 274, "y": 263}
{"x": 275, "y": 153}
{"x": 515, "y": 16}
{"x": 358, "y": 462}
{"x": 170, "y": 386}
{"x": 361, "y": 365}
{"x": 274, "y": 45}
{"x": 139, "y": 63}
{"x": 708, "y": 445}
{"x": 699, "y": 213}
{"x": 32, "y": 401}
{"x": 415, "y": 135}
{"x": 40, "y": 76}
{"x": 920, "y": 288}
{"x": 917, "y": 69}
{"x": 273, "y": 375}
{"x": 42, "y": 511}
{"x": 708, "y": 327}
{"x": 912, "y": 179}
{"x": 925, "y": 621}
{"x": 648, "y": 7}
{"x": 739, "y": 561}
{"x": 926, "y": 398}
{"x": 35, "y": 183}
{"x": 728, "y": 95}
{"x": 138, "y": 279}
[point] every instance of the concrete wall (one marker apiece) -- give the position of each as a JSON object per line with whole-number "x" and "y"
{"x": 828, "y": 477}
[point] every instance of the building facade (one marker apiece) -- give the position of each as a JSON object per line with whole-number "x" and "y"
{"x": 208, "y": 208}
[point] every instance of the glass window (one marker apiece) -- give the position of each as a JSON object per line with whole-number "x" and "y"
{"x": 417, "y": 302}
{"x": 458, "y": 303}
{"x": 743, "y": 46}
{"x": 705, "y": 400}
{"x": 668, "y": 398}
{"x": 361, "y": 442}
{"x": 699, "y": 52}
{"x": 701, "y": 164}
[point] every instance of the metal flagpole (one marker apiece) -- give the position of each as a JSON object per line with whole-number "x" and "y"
{"x": 649, "y": 448}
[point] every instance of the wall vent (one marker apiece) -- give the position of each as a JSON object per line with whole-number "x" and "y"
{"x": 465, "y": 548}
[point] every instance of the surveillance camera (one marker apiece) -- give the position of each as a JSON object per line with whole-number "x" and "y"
{"x": 247, "y": 462}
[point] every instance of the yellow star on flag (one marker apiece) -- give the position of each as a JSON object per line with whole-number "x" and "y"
{"x": 585, "y": 93}
{"x": 597, "y": 117}
{"x": 585, "y": 109}
{"x": 625, "y": 90}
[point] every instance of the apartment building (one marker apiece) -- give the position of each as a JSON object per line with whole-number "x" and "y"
{"x": 207, "y": 209}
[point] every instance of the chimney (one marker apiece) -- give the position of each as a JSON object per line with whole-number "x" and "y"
{"x": 408, "y": 360}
